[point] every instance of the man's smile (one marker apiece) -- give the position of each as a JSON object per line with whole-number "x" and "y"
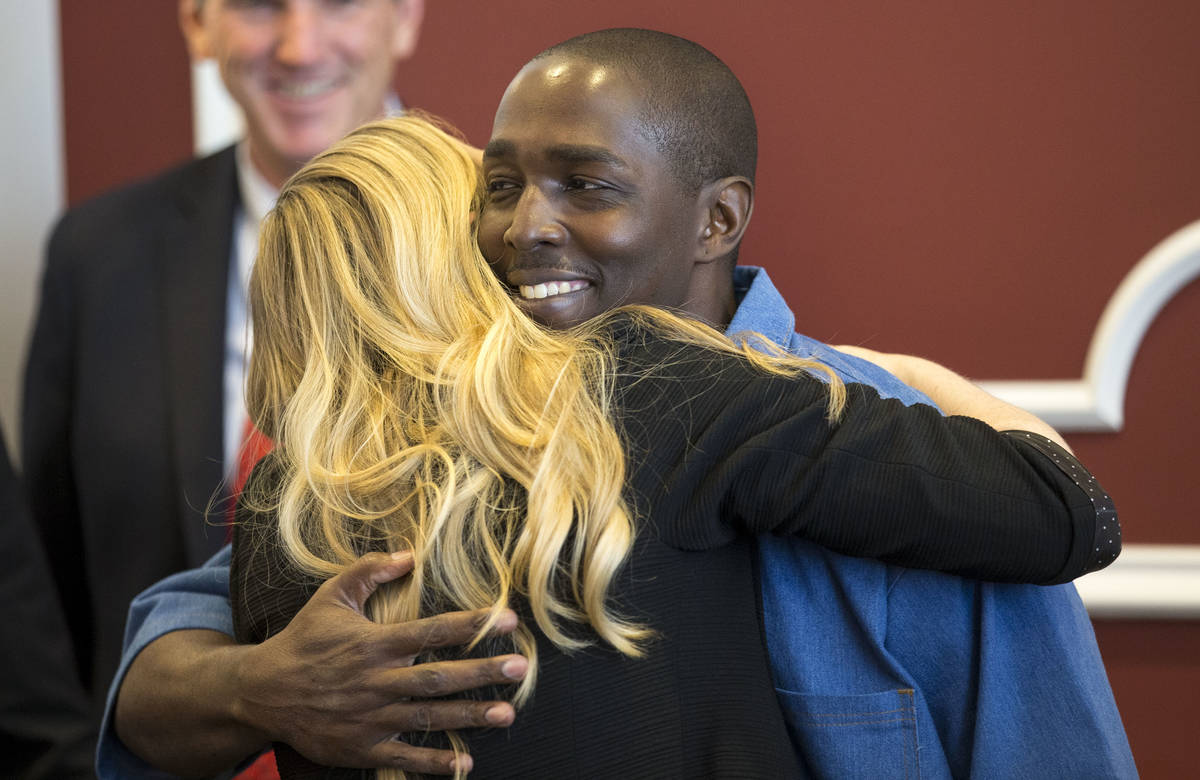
{"x": 550, "y": 289}
{"x": 304, "y": 88}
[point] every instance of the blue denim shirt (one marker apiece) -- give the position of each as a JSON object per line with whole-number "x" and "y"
{"x": 886, "y": 672}
{"x": 882, "y": 672}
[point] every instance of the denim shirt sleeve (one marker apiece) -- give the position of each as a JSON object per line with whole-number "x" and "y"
{"x": 198, "y": 598}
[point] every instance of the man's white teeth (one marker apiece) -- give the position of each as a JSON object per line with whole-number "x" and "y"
{"x": 305, "y": 89}
{"x": 529, "y": 291}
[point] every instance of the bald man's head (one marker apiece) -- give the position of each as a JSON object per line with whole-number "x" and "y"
{"x": 693, "y": 108}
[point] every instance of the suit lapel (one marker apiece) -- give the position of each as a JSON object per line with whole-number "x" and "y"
{"x": 197, "y": 238}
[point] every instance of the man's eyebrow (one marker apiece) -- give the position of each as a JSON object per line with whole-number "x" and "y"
{"x": 578, "y": 153}
{"x": 568, "y": 153}
{"x": 498, "y": 148}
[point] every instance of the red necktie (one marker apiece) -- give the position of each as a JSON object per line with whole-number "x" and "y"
{"x": 263, "y": 768}
{"x": 254, "y": 446}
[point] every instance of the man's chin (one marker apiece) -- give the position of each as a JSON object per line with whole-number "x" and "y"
{"x": 301, "y": 141}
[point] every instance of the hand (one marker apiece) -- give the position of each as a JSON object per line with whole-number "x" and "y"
{"x": 342, "y": 690}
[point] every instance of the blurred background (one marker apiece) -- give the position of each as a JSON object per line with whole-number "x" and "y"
{"x": 969, "y": 181}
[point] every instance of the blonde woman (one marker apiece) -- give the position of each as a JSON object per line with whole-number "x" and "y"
{"x": 605, "y": 482}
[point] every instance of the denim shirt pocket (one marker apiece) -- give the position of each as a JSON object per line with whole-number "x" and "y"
{"x": 870, "y": 735}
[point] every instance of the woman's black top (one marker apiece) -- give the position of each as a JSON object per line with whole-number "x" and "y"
{"x": 720, "y": 452}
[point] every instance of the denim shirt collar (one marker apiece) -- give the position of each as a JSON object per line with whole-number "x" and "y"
{"x": 760, "y": 307}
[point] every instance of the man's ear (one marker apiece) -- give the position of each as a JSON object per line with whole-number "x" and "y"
{"x": 195, "y": 31}
{"x": 728, "y": 204}
{"x": 409, "y": 14}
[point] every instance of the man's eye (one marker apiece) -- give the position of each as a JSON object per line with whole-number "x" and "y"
{"x": 576, "y": 183}
{"x": 497, "y": 187}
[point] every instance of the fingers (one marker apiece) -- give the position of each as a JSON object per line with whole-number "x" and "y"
{"x": 356, "y": 584}
{"x": 426, "y": 716}
{"x": 445, "y": 678}
{"x": 434, "y": 716}
{"x": 450, "y": 629}
{"x": 401, "y": 755}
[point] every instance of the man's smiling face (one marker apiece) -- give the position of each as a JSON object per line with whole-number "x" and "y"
{"x": 583, "y": 213}
{"x": 304, "y": 72}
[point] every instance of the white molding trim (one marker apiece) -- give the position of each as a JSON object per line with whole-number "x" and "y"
{"x": 1097, "y": 401}
{"x": 1147, "y": 581}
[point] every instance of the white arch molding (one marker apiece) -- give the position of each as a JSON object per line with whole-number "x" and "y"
{"x": 1147, "y": 581}
{"x": 1097, "y": 401}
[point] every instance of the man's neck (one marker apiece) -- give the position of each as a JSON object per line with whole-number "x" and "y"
{"x": 712, "y": 297}
{"x": 257, "y": 192}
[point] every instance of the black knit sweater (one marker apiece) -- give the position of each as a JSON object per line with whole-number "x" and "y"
{"x": 718, "y": 453}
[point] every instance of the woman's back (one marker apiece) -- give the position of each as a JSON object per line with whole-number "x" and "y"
{"x": 699, "y": 703}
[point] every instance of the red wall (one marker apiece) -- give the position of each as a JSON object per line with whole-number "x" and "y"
{"x": 968, "y": 181}
{"x": 127, "y": 103}
{"x": 1154, "y": 668}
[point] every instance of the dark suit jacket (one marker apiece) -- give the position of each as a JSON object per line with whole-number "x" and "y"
{"x": 122, "y": 415}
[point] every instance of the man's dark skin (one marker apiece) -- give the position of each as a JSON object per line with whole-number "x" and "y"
{"x": 577, "y": 194}
{"x": 196, "y": 703}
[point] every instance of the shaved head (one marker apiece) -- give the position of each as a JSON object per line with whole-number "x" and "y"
{"x": 694, "y": 109}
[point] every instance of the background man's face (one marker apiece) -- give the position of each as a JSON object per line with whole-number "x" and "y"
{"x": 305, "y": 72}
{"x": 582, "y": 213}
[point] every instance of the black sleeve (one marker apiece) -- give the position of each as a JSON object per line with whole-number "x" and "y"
{"x": 1105, "y": 543}
{"x": 718, "y": 448}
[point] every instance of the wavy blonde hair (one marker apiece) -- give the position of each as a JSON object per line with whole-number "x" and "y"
{"x": 414, "y": 406}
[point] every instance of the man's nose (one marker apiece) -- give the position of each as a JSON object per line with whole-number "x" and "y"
{"x": 300, "y": 34}
{"x": 535, "y": 221}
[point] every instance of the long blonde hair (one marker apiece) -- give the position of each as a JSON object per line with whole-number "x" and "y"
{"x": 414, "y": 406}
